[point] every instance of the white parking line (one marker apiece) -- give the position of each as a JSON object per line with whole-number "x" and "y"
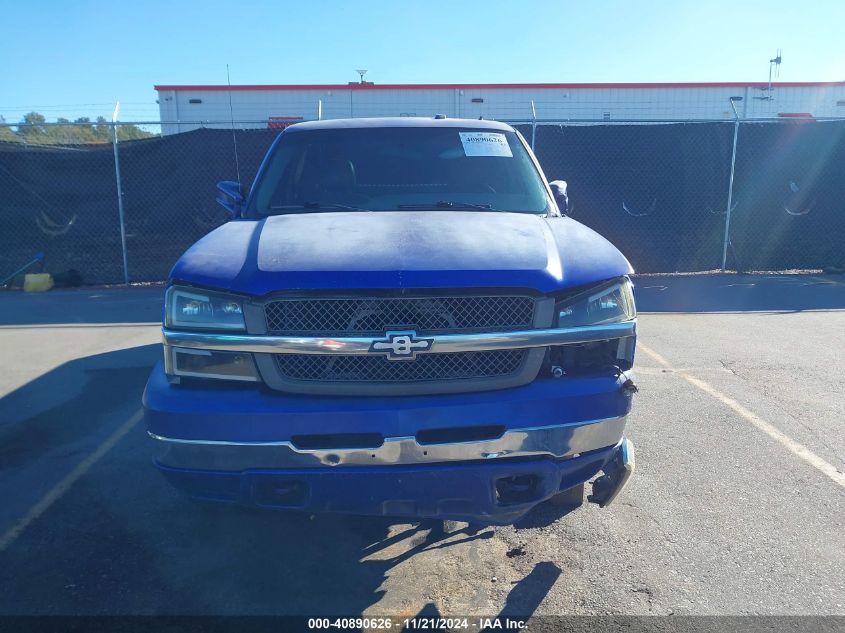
{"x": 662, "y": 371}
{"x": 791, "y": 445}
{"x": 64, "y": 485}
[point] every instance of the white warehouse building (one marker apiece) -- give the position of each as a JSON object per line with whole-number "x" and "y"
{"x": 183, "y": 108}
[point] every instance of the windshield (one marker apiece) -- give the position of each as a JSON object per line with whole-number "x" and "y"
{"x": 401, "y": 168}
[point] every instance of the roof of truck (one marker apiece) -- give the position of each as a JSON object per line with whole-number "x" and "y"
{"x": 403, "y": 121}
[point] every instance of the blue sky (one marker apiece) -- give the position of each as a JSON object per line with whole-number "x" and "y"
{"x": 76, "y": 58}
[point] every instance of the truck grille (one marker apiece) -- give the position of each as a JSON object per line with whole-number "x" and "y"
{"x": 426, "y": 367}
{"x": 372, "y": 316}
{"x": 329, "y": 374}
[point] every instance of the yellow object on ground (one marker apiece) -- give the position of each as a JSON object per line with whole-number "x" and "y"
{"x": 37, "y": 282}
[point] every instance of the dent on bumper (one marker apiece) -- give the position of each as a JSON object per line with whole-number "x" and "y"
{"x": 558, "y": 441}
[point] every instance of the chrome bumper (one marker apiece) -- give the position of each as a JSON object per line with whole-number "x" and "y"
{"x": 261, "y": 343}
{"x": 563, "y": 441}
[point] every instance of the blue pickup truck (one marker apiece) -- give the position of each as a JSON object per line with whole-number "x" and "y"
{"x": 400, "y": 320}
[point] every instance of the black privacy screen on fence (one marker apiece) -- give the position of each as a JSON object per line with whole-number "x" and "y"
{"x": 657, "y": 191}
{"x": 63, "y": 201}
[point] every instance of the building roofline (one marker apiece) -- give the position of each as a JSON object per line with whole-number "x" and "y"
{"x": 530, "y": 86}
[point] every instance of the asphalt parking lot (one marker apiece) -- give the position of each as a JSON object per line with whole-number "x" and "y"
{"x": 737, "y": 505}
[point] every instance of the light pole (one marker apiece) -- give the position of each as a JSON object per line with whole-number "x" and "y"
{"x": 732, "y": 100}
{"x": 114, "y": 141}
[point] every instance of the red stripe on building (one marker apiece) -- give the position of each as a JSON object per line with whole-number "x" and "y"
{"x": 541, "y": 86}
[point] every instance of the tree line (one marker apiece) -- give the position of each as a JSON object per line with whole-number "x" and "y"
{"x": 32, "y": 130}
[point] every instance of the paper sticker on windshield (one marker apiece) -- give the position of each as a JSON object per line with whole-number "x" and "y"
{"x": 485, "y": 144}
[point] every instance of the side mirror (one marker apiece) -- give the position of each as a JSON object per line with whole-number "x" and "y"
{"x": 229, "y": 197}
{"x": 558, "y": 188}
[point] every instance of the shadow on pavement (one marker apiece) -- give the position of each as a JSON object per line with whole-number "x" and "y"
{"x": 522, "y": 601}
{"x": 121, "y": 541}
{"x": 526, "y": 596}
{"x": 79, "y": 399}
{"x": 544, "y": 514}
{"x": 50, "y": 424}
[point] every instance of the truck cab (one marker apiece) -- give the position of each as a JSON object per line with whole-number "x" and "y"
{"x": 398, "y": 320}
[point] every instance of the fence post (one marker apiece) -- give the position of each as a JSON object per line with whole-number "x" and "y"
{"x": 730, "y": 186}
{"x": 119, "y": 193}
{"x": 533, "y": 125}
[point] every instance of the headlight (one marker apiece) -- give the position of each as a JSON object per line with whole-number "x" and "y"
{"x": 609, "y": 303}
{"x": 199, "y": 309}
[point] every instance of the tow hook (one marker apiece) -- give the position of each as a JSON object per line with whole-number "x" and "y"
{"x": 616, "y": 474}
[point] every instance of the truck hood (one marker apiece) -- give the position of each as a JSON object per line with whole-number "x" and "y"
{"x": 404, "y": 249}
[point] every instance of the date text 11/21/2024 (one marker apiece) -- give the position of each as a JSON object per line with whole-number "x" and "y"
{"x": 418, "y": 623}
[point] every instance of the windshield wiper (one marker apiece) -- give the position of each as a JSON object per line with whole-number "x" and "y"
{"x": 446, "y": 204}
{"x": 327, "y": 206}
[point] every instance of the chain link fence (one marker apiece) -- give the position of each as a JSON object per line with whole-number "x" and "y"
{"x": 658, "y": 191}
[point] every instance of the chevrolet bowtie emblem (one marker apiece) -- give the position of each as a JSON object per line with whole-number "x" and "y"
{"x": 401, "y": 345}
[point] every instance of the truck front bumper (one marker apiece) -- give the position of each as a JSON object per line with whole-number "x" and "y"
{"x": 486, "y": 457}
{"x": 495, "y": 492}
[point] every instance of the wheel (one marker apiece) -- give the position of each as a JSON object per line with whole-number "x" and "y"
{"x": 573, "y": 497}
